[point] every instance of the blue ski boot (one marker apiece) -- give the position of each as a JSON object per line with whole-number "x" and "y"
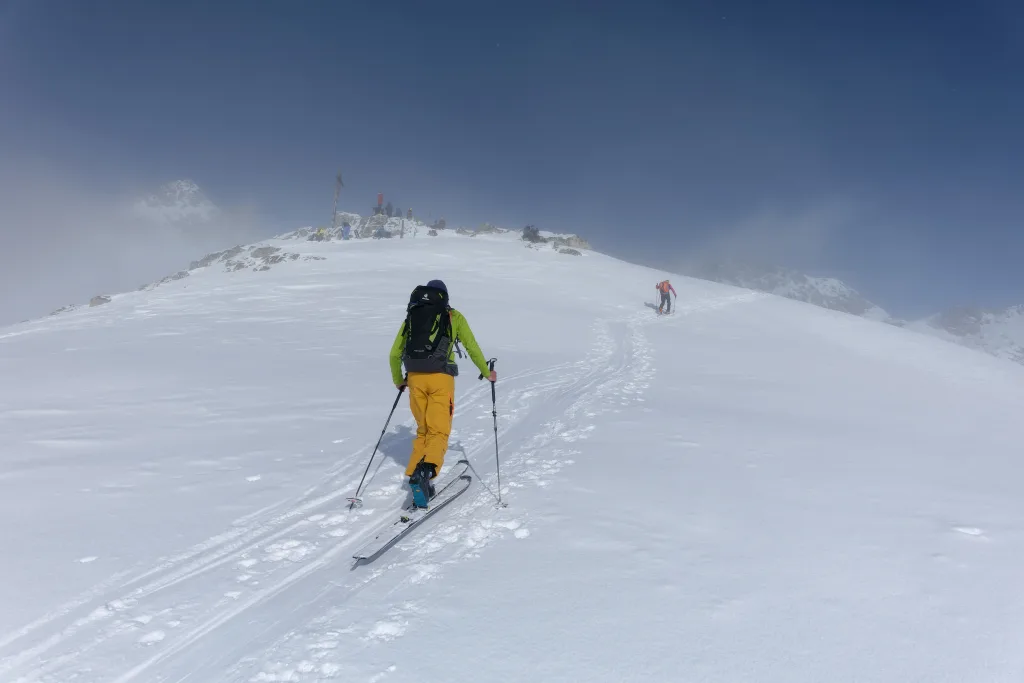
{"x": 419, "y": 482}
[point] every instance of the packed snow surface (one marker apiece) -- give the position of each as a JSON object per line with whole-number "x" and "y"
{"x": 752, "y": 489}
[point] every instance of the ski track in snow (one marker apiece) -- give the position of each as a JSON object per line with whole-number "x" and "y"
{"x": 166, "y": 611}
{"x": 613, "y": 376}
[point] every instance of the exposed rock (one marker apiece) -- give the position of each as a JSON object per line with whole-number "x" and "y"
{"x": 532, "y": 234}
{"x": 432, "y": 232}
{"x": 264, "y": 252}
{"x": 217, "y": 256}
{"x": 571, "y": 241}
{"x": 242, "y": 258}
{"x": 99, "y": 300}
{"x": 489, "y": 229}
{"x": 570, "y": 252}
{"x": 181, "y": 274}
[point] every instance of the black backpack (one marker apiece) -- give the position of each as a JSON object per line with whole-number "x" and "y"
{"x": 428, "y": 332}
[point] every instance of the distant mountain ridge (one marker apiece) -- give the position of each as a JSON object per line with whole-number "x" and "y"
{"x": 826, "y": 292}
{"x": 999, "y": 332}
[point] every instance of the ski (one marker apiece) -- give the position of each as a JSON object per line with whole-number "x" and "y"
{"x": 448, "y": 489}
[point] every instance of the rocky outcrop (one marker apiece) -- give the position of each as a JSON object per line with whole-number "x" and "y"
{"x": 210, "y": 259}
{"x": 257, "y": 258}
{"x": 570, "y": 241}
{"x": 99, "y": 300}
{"x": 65, "y": 309}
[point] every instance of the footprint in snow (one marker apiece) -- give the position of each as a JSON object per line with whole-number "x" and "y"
{"x": 293, "y": 551}
{"x": 387, "y": 630}
{"x": 378, "y": 677}
{"x": 152, "y": 638}
{"x": 322, "y": 649}
{"x": 425, "y": 572}
{"x": 333, "y": 520}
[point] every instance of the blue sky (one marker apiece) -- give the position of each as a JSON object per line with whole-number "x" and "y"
{"x": 877, "y": 141}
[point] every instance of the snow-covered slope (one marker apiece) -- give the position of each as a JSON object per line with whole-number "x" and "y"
{"x": 998, "y": 332}
{"x": 826, "y": 292}
{"x": 180, "y": 202}
{"x": 749, "y": 490}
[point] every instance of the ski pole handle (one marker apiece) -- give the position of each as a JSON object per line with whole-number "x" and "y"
{"x": 494, "y": 399}
{"x": 490, "y": 364}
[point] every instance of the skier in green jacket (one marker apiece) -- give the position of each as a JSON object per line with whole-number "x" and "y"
{"x": 426, "y": 345}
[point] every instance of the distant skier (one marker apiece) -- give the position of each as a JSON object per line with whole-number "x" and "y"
{"x": 426, "y": 345}
{"x": 666, "y": 302}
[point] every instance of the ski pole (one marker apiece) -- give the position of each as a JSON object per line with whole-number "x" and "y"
{"x": 355, "y": 500}
{"x": 494, "y": 414}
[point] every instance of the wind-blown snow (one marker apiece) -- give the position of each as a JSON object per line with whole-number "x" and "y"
{"x": 749, "y": 490}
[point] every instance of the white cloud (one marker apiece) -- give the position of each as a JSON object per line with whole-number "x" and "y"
{"x": 66, "y": 240}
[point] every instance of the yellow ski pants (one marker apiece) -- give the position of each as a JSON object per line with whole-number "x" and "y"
{"x": 432, "y": 400}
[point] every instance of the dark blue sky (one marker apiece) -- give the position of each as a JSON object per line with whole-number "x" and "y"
{"x": 881, "y": 142}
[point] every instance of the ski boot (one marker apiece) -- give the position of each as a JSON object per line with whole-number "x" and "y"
{"x": 419, "y": 482}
